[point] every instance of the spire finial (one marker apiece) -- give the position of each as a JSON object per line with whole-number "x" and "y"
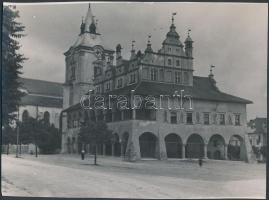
{"x": 189, "y": 30}
{"x": 149, "y": 36}
{"x": 211, "y": 70}
{"x": 173, "y": 14}
{"x": 133, "y": 42}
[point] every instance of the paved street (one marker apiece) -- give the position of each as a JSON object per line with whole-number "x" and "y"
{"x": 68, "y": 176}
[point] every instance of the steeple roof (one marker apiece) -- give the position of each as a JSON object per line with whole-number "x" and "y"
{"x": 88, "y": 36}
{"x": 172, "y": 37}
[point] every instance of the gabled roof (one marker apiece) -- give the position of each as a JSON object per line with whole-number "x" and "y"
{"x": 42, "y": 93}
{"x": 42, "y": 87}
{"x": 202, "y": 89}
{"x": 42, "y": 101}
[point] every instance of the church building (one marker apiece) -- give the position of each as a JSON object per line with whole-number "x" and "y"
{"x": 189, "y": 116}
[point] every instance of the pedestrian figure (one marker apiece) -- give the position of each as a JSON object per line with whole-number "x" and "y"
{"x": 200, "y": 162}
{"x": 82, "y": 154}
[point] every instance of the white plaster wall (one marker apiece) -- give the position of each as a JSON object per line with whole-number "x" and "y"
{"x": 32, "y": 110}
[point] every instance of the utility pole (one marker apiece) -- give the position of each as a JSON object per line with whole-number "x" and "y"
{"x": 18, "y": 135}
{"x": 17, "y": 146}
{"x": 35, "y": 131}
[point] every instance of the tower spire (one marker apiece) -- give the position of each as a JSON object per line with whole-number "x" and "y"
{"x": 211, "y": 75}
{"x": 133, "y": 50}
{"x": 89, "y": 18}
{"x": 149, "y": 49}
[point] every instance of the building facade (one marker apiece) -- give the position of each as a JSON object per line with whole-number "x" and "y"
{"x": 42, "y": 100}
{"x": 257, "y": 132}
{"x": 155, "y": 106}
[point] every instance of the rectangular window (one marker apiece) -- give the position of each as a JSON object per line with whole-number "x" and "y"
{"x": 237, "y": 120}
{"x": 108, "y": 86}
{"x": 189, "y": 118}
{"x": 222, "y": 119}
{"x": 186, "y": 77}
{"x": 153, "y": 74}
{"x": 98, "y": 89}
{"x": 161, "y": 73}
{"x": 145, "y": 73}
{"x": 120, "y": 83}
{"x": 173, "y": 117}
{"x": 177, "y": 63}
{"x": 73, "y": 73}
{"x": 168, "y": 77}
{"x": 132, "y": 78}
{"x": 259, "y": 139}
{"x": 206, "y": 118}
{"x": 169, "y": 61}
{"x": 178, "y": 77}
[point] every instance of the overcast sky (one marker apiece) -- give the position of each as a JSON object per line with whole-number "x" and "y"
{"x": 233, "y": 37}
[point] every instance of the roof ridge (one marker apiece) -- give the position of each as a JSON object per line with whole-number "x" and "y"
{"x": 25, "y": 78}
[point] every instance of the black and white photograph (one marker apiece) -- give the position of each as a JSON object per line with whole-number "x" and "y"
{"x": 144, "y": 100}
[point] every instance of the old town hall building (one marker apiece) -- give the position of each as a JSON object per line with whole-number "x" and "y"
{"x": 209, "y": 124}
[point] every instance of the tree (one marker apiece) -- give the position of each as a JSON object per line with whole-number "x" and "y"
{"x": 94, "y": 133}
{"x": 8, "y": 137}
{"x": 44, "y": 135}
{"x": 11, "y": 64}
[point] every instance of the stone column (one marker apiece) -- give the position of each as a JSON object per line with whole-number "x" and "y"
{"x": 121, "y": 150}
{"x": 183, "y": 151}
{"x": 122, "y": 115}
{"x": 104, "y": 115}
{"x": 162, "y": 149}
{"x": 134, "y": 114}
{"x": 225, "y": 151}
{"x": 205, "y": 151}
{"x": 112, "y": 116}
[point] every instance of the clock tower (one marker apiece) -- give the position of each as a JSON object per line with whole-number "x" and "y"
{"x": 79, "y": 71}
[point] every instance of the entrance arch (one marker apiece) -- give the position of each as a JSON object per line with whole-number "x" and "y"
{"x": 235, "y": 148}
{"x": 195, "y": 146}
{"x": 173, "y": 144}
{"x": 148, "y": 145}
{"x": 216, "y": 147}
